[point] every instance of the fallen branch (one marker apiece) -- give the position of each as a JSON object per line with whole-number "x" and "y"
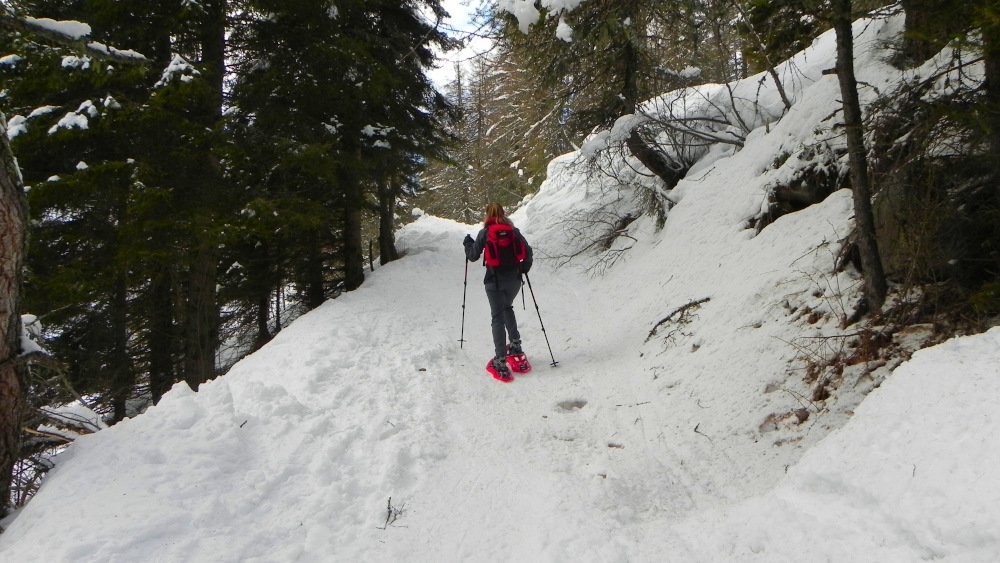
{"x": 677, "y": 315}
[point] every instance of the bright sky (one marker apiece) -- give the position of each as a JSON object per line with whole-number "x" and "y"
{"x": 461, "y": 13}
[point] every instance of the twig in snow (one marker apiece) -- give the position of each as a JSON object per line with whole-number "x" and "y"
{"x": 392, "y": 513}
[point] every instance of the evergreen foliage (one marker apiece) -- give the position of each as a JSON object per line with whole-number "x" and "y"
{"x": 150, "y": 201}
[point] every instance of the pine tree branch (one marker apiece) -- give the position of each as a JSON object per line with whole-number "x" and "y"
{"x": 11, "y": 22}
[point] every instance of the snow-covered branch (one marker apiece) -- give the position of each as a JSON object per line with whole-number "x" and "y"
{"x": 69, "y": 33}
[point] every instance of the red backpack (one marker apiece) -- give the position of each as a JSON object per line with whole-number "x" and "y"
{"x": 503, "y": 246}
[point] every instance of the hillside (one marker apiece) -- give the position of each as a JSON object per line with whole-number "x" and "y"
{"x": 678, "y": 425}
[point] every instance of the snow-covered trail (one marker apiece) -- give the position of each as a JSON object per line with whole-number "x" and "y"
{"x": 295, "y": 454}
{"x": 370, "y": 398}
{"x": 554, "y": 466}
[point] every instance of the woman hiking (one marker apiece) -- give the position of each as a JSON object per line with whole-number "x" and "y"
{"x": 507, "y": 256}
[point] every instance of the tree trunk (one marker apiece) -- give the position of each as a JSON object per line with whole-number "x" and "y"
{"x": 653, "y": 160}
{"x": 991, "y": 104}
{"x": 202, "y": 314}
{"x": 387, "y": 221}
{"x": 161, "y": 335}
{"x": 13, "y": 245}
{"x": 917, "y": 43}
{"x": 202, "y": 317}
{"x": 315, "y": 288}
{"x": 875, "y": 287}
{"x": 277, "y": 308}
{"x": 123, "y": 378}
{"x": 263, "y": 317}
{"x": 354, "y": 256}
{"x": 991, "y": 54}
{"x": 929, "y": 25}
{"x": 213, "y": 45}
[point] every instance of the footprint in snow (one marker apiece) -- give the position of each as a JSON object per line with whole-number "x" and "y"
{"x": 573, "y": 405}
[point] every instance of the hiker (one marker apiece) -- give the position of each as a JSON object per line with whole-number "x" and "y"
{"x": 507, "y": 256}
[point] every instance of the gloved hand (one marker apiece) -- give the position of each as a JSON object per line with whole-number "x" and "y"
{"x": 468, "y": 241}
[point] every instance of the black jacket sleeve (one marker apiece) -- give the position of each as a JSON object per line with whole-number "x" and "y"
{"x": 475, "y": 250}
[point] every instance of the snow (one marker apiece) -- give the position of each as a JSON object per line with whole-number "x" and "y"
{"x": 690, "y": 72}
{"x": 913, "y": 476}
{"x": 44, "y": 110}
{"x": 524, "y": 10}
{"x": 74, "y": 62}
{"x": 79, "y": 119}
{"x": 178, "y": 68}
{"x": 88, "y": 108}
{"x": 71, "y": 120}
{"x": 78, "y": 30}
{"x": 71, "y": 29}
{"x": 364, "y": 432}
{"x": 31, "y": 330}
{"x": 124, "y": 53}
{"x": 527, "y": 13}
{"x": 75, "y": 419}
{"x": 16, "y": 126}
{"x": 564, "y": 31}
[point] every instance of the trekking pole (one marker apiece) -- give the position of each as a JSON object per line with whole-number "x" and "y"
{"x": 524, "y": 302}
{"x": 465, "y": 286}
{"x": 545, "y": 334}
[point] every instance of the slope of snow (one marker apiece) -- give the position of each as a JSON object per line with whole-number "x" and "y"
{"x": 363, "y": 432}
{"x": 913, "y": 476}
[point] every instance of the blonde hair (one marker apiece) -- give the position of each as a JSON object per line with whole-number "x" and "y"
{"x": 495, "y": 211}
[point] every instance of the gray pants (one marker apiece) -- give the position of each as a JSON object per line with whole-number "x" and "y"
{"x": 501, "y": 297}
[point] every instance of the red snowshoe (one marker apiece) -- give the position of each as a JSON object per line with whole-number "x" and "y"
{"x": 518, "y": 363}
{"x": 503, "y": 376}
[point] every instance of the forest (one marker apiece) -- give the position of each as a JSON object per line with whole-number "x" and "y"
{"x": 182, "y": 178}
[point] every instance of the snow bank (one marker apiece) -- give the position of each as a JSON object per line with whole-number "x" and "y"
{"x": 913, "y": 476}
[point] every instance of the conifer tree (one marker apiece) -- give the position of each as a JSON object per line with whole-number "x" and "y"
{"x": 79, "y": 168}
{"x": 149, "y": 136}
{"x": 13, "y": 384}
{"x": 344, "y": 83}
